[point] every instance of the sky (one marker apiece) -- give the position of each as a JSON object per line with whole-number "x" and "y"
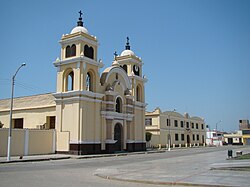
{"x": 196, "y": 53}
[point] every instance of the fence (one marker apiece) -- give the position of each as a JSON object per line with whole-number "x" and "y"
{"x": 28, "y": 142}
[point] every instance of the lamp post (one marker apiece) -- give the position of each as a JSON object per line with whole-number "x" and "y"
{"x": 217, "y": 124}
{"x": 11, "y": 107}
{"x": 169, "y": 137}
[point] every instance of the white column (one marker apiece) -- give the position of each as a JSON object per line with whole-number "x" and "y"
{"x": 54, "y": 141}
{"x": 26, "y": 142}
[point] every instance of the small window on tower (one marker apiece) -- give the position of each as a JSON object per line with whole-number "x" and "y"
{"x": 125, "y": 68}
{"x": 118, "y": 106}
{"x": 136, "y": 70}
{"x": 70, "y": 81}
{"x": 68, "y": 51}
{"x": 73, "y": 50}
{"x": 89, "y": 52}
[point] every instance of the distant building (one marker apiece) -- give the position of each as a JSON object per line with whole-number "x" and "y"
{"x": 244, "y": 124}
{"x": 245, "y": 127}
{"x": 233, "y": 138}
{"x": 214, "y": 138}
{"x": 179, "y": 130}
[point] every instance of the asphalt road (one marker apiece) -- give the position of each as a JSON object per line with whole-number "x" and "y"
{"x": 81, "y": 172}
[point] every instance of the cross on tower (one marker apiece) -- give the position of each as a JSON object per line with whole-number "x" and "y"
{"x": 80, "y": 12}
{"x": 127, "y": 47}
{"x": 115, "y": 55}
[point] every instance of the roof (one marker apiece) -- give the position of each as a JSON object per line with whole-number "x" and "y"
{"x": 27, "y": 102}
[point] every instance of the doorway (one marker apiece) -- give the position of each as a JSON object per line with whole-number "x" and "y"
{"x": 118, "y": 137}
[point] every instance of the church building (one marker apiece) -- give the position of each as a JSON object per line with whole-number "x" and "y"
{"x": 93, "y": 112}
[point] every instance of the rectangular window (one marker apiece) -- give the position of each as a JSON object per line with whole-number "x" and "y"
{"x": 175, "y": 123}
{"x": 187, "y": 125}
{"x": 182, "y": 124}
{"x": 192, "y": 125}
{"x": 193, "y": 137}
{"x": 197, "y": 126}
{"x": 18, "y": 123}
{"x": 52, "y": 123}
{"x": 198, "y": 137}
{"x": 182, "y": 137}
{"x": 168, "y": 122}
{"x": 148, "y": 121}
{"x": 176, "y": 137}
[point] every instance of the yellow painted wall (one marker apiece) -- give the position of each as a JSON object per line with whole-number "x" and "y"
{"x": 31, "y": 117}
{"x": 40, "y": 142}
{"x": 63, "y": 144}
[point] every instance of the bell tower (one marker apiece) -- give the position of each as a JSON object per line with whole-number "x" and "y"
{"x": 77, "y": 88}
{"x": 133, "y": 67}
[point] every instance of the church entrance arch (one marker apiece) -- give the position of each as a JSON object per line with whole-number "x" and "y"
{"x": 118, "y": 137}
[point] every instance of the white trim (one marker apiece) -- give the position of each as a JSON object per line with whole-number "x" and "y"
{"x": 84, "y": 142}
{"x": 129, "y": 60}
{"x": 77, "y": 59}
{"x": 135, "y": 141}
{"x": 54, "y": 142}
{"x": 141, "y": 104}
{"x": 110, "y": 93}
{"x": 77, "y": 39}
{"x": 78, "y": 99}
{"x": 109, "y": 102}
{"x": 26, "y": 142}
{"x": 78, "y": 93}
{"x": 115, "y": 115}
{"x": 110, "y": 141}
{"x": 130, "y": 106}
{"x": 136, "y": 77}
{"x": 121, "y": 72}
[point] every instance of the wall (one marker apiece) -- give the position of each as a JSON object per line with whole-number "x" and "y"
{"x": 27, "y": 142}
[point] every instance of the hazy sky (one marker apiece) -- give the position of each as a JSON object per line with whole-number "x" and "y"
{"x": 196, "y": 53}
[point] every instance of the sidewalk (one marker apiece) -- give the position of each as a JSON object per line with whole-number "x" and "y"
{"x": 38, "y": 158}
{"x": 34, "y": 158}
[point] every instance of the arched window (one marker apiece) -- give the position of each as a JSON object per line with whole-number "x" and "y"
{"x": 70, "y": 81}
{"x": 68, "y": 51}
{"x": 89, "y": 82}
{"x": 89, "y": 52}
{"x": 118, "y": 106}
{"x": 73, "y": 50}
{"x": 136, "y": 70}
{"x": 138, "y": 93}
{"x": 125, "y": 67}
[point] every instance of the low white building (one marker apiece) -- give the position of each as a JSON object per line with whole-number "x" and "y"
{"x": 214, "y": 138}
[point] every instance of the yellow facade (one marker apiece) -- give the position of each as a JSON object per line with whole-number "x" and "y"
{"x": 172, "y": 128}
{"x": 92, "y": 112}
{"x": 101, "y": 112}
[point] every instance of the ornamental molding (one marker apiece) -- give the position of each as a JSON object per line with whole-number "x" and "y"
{"x": 114, "y": 115}
{"x": 81, "y": 59}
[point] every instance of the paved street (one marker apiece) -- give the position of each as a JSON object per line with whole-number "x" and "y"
{"x": 179, "y": 166}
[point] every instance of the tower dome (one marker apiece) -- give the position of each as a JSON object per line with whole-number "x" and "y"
{"x": 127, "y": 50}
{"x": 79, "y": 27}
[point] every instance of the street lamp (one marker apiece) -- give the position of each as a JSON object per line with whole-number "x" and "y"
{"x": 11, "y": 107}
{"x": 169, "y": 137}
{"x": 217, "y": 124}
